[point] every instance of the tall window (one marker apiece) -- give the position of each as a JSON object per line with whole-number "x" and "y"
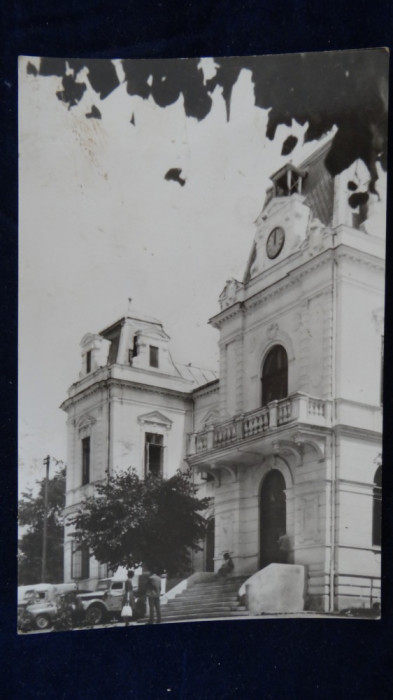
{"x": 154, "y": 453}
{"x": 153, "y": 356}
{"x": 377, "y": 507}
{"x": 85, "y": 460}
{"x": 80, "y": 561}
{"x": 88, "y": 361}
{"x": 275, "y": 375}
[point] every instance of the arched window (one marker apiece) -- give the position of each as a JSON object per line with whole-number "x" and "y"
{"x": 377, "y": 507}
{"x": 275, "y": 375}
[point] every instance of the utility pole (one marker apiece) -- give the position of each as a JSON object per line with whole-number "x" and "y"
{"x": 46, "y": 461}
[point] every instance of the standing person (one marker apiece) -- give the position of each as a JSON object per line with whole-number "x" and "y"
{"x": 153, "y": 591}
{"x": 128, "y": 599}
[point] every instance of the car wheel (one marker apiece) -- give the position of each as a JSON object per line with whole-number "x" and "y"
{"x": 42, "y": 622}
{"x": 95, "y": 615}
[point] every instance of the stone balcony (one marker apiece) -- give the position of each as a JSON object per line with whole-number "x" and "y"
{"x": 294, "y": 411}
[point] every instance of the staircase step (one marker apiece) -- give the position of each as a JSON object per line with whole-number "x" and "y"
{"x": 207, "y": 615}
{"x": 205, "y": 598}
{"x": 192, "y": 608}
{"x": 202, "y": 601}
{"x": 211, "y": 599}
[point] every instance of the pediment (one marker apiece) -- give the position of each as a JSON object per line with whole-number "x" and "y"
{"x": 85, "y": 421}
{"x": 156, "y": 418}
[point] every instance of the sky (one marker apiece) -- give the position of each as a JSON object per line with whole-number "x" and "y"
{"x": 99, "y": 224}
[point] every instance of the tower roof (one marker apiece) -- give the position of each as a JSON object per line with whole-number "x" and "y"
{"x": 136, "y": 316}
{"x": 318, "y": 183}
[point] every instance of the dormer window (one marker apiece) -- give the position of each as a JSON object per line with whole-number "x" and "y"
{"x": 288, "y": 180}
{"x": 88, "y": 361}
{"x": 153, "y": 356}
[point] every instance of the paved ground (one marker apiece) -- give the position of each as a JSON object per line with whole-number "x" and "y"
{"x": 277, "y": 616}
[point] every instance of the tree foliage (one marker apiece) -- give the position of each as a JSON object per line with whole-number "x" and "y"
{"x": 31, "y": 517}
{"x": 346, "y": 89}
{"x": 154, "y": 521}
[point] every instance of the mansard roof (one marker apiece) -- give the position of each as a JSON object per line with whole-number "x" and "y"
{"x": 319, "y": 185}
{"x": 197, "y": 375}
{"x": 137, "y": 317}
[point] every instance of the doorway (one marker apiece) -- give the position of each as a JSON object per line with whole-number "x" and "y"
{"x": 272, "y": 509}
{"x": 210, "y": 545}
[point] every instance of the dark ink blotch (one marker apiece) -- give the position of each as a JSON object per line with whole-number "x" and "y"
{"x": 31, "y": 69}
{"x": 358, "y": 199}
{"x": 175, "y": 175}
{"x": 288, "y": 145}
{"x": 94, "y": 113}
{"x": 72, "y": 91}
{"x": 52, "y": 66}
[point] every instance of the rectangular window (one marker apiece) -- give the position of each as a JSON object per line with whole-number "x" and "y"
{"x": 80, "y": 561}
{"x": 153, "y": 356}
{"x": 88, "y": 361}
{"x": 85, "y": 461}
{"x": 154, "y": 453}
{"x": 117, "y": 586}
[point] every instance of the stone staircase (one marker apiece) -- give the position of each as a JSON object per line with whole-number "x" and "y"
{"x": 206, "y": 600}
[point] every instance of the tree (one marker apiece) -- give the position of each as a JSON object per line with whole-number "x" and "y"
{"x": 154, "y": 521}
{"x": 31, "y": 515}
{"x": 346, "y": 89}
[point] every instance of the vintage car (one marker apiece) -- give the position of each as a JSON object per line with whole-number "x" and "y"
{"x": 106, "y": 601}
{"x": 37, "y": 604}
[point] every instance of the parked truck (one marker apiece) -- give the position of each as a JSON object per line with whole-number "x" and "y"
{"x": 106, "y": 601}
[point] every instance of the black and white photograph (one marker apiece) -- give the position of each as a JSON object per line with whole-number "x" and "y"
{"x": 201, "y": 339}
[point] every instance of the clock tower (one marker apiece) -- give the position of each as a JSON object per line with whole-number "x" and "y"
{"x": 281, "y": 227}
{"x": 296, "y": 442}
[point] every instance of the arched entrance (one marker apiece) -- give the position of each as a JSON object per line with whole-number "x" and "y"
{"x": 272, "y": 509}
{"x": 209, "y": 564}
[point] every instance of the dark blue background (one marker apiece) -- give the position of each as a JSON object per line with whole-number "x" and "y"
{"x": 267, "y": 659}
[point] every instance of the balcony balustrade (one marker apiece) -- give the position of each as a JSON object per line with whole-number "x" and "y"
{"x": 299, "y": 408}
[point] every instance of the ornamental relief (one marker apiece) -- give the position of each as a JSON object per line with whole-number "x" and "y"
{"x": 272, "y": 331}
{"x": 229, "y": 294}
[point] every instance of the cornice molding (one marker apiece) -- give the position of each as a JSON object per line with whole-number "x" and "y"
{"x": 226, "y": 314}
{"x": 294, "y": 276}
{"x": 212, "y": 388}
{"x": 360, "y": 256}
{"x": 345, "y": 430}
{"x": 123, "y": 384}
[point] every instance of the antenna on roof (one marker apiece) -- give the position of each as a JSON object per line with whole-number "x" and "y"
{"x": 129, "y": 303}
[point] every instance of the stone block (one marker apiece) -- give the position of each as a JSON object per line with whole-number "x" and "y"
{"x": 277, "y": 588}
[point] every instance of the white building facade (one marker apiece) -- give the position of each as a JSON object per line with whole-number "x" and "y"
{"x": 132, "y": 407}
{"x": 288, "y": 442}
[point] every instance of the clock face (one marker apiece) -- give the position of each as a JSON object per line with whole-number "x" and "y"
{"x": 275, "y": 242}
